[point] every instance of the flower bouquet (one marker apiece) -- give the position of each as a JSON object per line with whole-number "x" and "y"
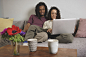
{"x": 14, "y": 34}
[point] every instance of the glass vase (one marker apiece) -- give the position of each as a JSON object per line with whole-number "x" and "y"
{"x": 15, "y": 48}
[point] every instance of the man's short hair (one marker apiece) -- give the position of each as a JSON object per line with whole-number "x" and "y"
{"x": 37, "y": 9}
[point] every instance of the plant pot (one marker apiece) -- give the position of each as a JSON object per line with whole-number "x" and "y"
{"x": 15, "y": 48}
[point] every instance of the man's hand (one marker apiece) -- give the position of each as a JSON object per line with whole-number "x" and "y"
{"x": 49, "y": 30}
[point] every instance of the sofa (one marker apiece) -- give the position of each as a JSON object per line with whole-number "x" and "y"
{"x": 78, "y": 43}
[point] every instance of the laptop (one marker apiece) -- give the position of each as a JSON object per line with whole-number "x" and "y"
{"x": 63, "y": 26}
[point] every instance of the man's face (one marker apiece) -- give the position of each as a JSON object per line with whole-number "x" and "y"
{"x": 42, "y": 10}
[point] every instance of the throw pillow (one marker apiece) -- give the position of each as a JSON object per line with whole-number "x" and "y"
{"x": 81, "y": 32}
{"x": 5, "y": 23}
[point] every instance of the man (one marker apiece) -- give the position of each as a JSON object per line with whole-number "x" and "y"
{"x": 35, "y": 23}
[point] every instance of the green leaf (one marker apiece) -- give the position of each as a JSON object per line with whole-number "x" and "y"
{"x": 10, "y": 39}
{"x": 15, "y": 40}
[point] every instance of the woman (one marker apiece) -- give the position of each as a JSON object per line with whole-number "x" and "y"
{"x": 54, "y": 13}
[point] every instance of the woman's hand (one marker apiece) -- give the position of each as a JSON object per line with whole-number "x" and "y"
{"x": 49, "y": 30}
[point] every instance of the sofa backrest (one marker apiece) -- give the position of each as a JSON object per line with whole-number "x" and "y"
{"x": 20, "y": 24}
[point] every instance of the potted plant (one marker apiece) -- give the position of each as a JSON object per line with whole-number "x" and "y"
{"x": 14, "y": 34}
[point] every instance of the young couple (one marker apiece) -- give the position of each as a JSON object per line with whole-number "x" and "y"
{"x": 39, "y": 26}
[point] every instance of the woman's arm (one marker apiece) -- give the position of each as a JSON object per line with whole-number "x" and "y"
{"x": 49, "y": 30}
{"x": 47, "y": 26}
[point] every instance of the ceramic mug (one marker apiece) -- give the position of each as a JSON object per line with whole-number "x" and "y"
{"x": 32, "y": 44}
{"x": 53, "y": 45}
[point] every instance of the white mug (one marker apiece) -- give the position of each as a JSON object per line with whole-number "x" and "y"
{"x": 32, "y": 44}
{"x": 53, "y": 45}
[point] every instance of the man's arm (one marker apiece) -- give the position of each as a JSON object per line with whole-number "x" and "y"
{"x": 26, "y": 27}
{"x": 28, "y": 24}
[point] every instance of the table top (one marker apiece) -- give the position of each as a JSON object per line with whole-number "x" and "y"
{"x": 6, "y": 51}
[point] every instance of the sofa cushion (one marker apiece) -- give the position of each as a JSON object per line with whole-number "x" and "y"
{"x": 81, "y": 32}
{"x": 20, "y": 24}
{"x": 5, "y": 23}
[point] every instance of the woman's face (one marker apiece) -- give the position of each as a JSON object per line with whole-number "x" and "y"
{"x": 53, "y": 13}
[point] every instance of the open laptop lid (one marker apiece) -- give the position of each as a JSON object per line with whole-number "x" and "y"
{"x": 63, "y": 26}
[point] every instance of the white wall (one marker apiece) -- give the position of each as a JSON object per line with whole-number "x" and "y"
{"x": 22, "y": 9}
{"x": 1, "y": 8}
